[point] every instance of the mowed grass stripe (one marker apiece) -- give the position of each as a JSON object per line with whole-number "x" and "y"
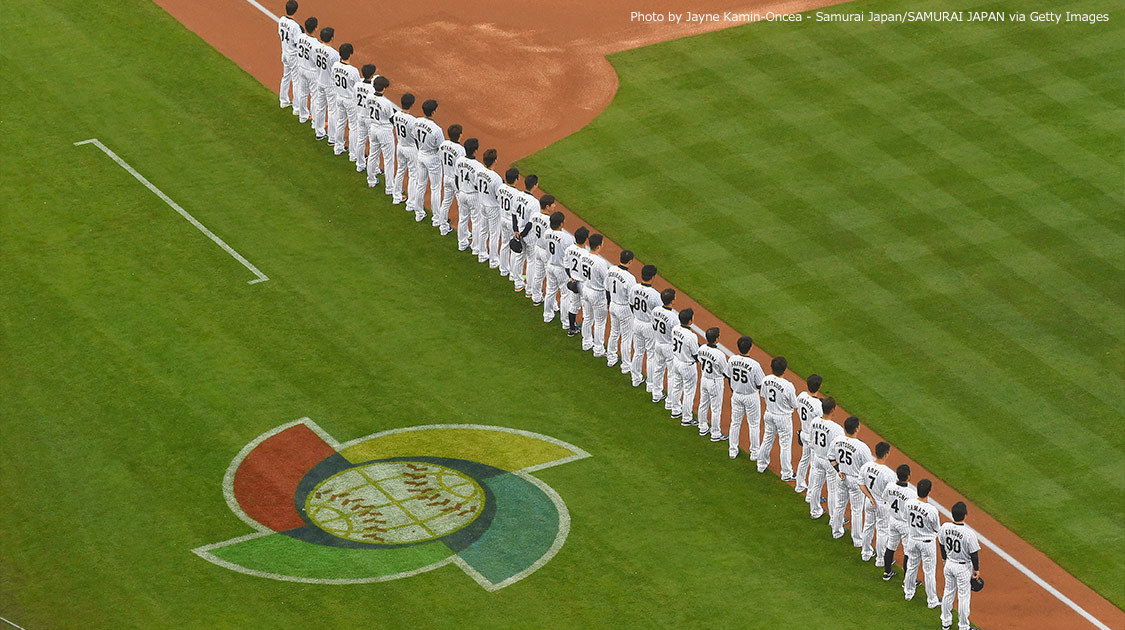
{"x": 934, "y": 192}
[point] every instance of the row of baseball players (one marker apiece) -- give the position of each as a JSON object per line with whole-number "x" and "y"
{"x": 520, "y": 235}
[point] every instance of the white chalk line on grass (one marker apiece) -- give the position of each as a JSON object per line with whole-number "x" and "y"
{"x": 259, "y": 276}
{"x": 987, "y": 543}
{"x": 10, "y": 623}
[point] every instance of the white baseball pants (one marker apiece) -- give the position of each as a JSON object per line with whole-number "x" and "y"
{"x": 332, "y": 110}
{"x": 874, "y": 525}
{"x": 288, "y": 77}
{"x": 643, "y": 340}
{"x": 658, "y": 363}
{"x": 821, "y": 472}
{"x": 303, "y": 90}
{"x": 750, "y": 407}
{"x": 556, "y": 281}
{"x": 428, "y": 170}
{"x": 465, "y": 204}
{"x": 593, "y": 320}
{"x": 479, "y": 228}
{"x": 921, "y": 551}
{"x": 516, "y": 267}
{"x": 711, "y": 391}
{"x": 320, "y": 107}
{"x": 405, "y": 160}
{"x": 345, "y": 121}
{"x": 957, "y": 576}
{"x": 490, "y": 216}
{"x": 537, "y": 273}
{"x": 382, "y": 142}
{"x": 448, "y": 194}
{"x": 506, "y": 232}
{"x": 779, "y": 427}
{"x": 681, "y": 387}
{"x": 848, "y": 492}
{"x": 359, "y": 140}
{"x": 620, "y": 329}
{"x": 803, "y": 464}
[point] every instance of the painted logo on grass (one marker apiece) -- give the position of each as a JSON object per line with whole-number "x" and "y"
{"x": 394, "y": 504}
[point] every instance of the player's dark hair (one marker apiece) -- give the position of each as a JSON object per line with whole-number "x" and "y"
{"x": 471, "y": 146}
{"x": 814, "y": 381}
{"x": 310, "y": 25}
{"x": 881, "y": 449}
{"x": 685, "y": 316}
{"x": 380, "y": 83}
{"x": 959, "y": 510}
{"x": 368, "y": 70}
{"x": 827, "y": 405}
{"x": 511, "y": 175}
{"x": 902, "y": 472}
{"x": 429, "y": 107}
{"x": 712, "y": 336}
{"x": 454, "y": 132}
{"x": 346, "y": 51}
{"x": 745, "y": 343}
{"x": 326, "y": 34}
{"x": 626, "y": 256}
{"x": 667, "y": 296}
{"x": 557, "y": 218}
{"x": 596, "y": 241}
{"x": 407, "y": 100}
{"x": 779, "y": 365}
{"x": 291, "y": 7}
{"x": 924, "y": 488}
{"x": 546, "y": 201}
{"x": 489, "y": 157}
{"x": 648, "y": 272}
{"x": 851, "y": 425}
{"x": 581, "y": 234}
{"x": 529, "y": 182}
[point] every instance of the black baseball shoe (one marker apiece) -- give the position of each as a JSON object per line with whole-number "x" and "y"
{"x": 888, "y": 574}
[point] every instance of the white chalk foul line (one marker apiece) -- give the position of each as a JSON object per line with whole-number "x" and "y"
{"x": 259, "y": 276}
{"x": 264, "y": 10}
{"x": 14, "y": 625}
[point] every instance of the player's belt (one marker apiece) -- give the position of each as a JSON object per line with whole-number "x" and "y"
{"x": 958, "y": 562}
{"x": 924, "y": 540}
{"x": 712, "y": 378}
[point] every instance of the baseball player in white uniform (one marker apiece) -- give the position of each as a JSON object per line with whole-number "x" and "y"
{"x": 364, "y": 94}
{"x": 289, "y": 32}
{"x": 895, "y": 498}
{"x": 555, "y": 241}
{"x": 595, "y": 271}
{"x": 406, "y": 152}
{"x": 781, "y": 400}
{"x": 450, "y": 151}
{"x": 848, "y": 454}
{"x": 324, "y": 105}
{"x": 427, "y": 137}
{"x": 922, "y": 523}
{"x": 808, "y": 409}
{"x": 664, "y": 321}
{"x": 466, "y": 168}
{"x": 874, "y": 477}
{"x": 488, "y": 183}
{"x": 506, "y": 196}
{"x": 537, "y": 262}
{"x": 526, "y": 207}
{"x": 746, "y": 378}
{"x": 619, "y": 282}
{"x": 344, "y": 79}
{"x": 823, "y": 432}
{"x": 380, "y": 135}
{"x": 961, "y": 551}
{"x": 643, "y": 300}
{"x": 684, "y": 377}
{"x": 713, "y": 374}
{"x": 305, "y": 89}
{"x": 571, "y": 300}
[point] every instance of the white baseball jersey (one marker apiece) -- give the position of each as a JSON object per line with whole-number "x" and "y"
{"x": 959, "y": 541}
{"x": 808, "y": 409}
{"x": 685, "y": 344}
{"x": 850, "y": 453}
{"x": 556, "y": 242}
{"x": 664, "y": 321}
{"x": 466, "y": 174}
{"x": 779, "y": 394}
{"x": 289, "y": 33}
{"x": 364, "y": 95}
{"x": 540, "y": 225}
{"x": 746, "y": 375}
{"x": 345, "y": 77}
{"x": 325, "y": 58}
{"x": 572, "y": 260}
{"x": 619, "y": 282}
{"x": 526, "y": 206}
{"x": 305, "y": 46}
{"x": 896, "y": 496}
{"x": 402, "y": 121}
{"x": 381, "y": 110}
{"x": 713, "y": 363}
{"x": 876, "y": 477}
{"x": 427, "y": 135}
{"x": 487, "y": 184}
{"x": 921, "y": 518}
{"x": 643, "y": 299}
{"x": 823, "y": 433}
{"x": 450, "y": 152}
{"x": 506, "y": 196}
{"x": 593, "y": 269}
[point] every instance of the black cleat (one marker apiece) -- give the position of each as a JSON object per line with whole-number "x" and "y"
{"x": 888, "y": 574}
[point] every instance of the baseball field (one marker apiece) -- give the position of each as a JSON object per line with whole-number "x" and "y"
{"x": 929, "y": 217}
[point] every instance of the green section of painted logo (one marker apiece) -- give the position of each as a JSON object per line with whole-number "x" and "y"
{"x": 394, "y": 504}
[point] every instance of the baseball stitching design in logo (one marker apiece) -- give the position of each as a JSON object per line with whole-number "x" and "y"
{"x": 394, "y": 504}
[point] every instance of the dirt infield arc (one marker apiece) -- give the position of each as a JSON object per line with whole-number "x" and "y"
{"x": 521, "y": 75}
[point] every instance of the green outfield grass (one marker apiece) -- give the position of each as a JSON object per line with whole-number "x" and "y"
{"x": 138, "y": 362}
{"x": 929, "y": 215}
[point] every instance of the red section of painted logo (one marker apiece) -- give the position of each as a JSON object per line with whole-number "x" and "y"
{"x": 266, "y": 481}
